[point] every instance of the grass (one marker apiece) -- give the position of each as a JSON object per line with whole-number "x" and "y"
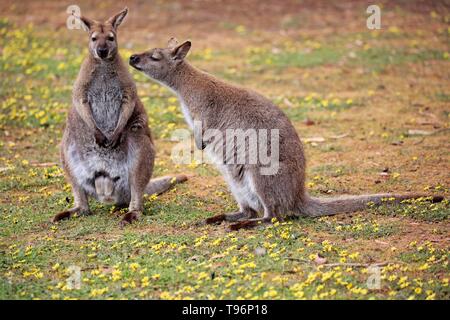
{"x": 361, "y": 90}
{"x": 378, "y": 59}
{"x": 293, "y": 58}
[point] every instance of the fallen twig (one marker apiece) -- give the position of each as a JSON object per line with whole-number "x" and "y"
{"x": 414, "y": 132}
{"x": 44, "y": 164}
{"x": 356, "y": 265}
{"x": 340, "y": 136}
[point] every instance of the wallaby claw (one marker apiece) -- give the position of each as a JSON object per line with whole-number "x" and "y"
{"x": 100, "y": 139}
{"x": 114, "y": 142}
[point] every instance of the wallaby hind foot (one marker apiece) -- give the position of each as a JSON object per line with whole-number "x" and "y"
{"x": 232, "y": 217}
{"x": 270, "y": 213}
{"x": 248, "y": 224}
{"x": 129, "y": 217}
{"x": 70, "y": 213}
{"x": 244, "y": 214}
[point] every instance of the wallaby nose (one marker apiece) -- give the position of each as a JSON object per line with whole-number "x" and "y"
{"x": 134, "y": 59}
{"x": 102, "y": 52}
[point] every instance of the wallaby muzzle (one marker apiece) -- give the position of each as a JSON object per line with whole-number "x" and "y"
{"x": 134, "y": 60}
{"x": 102, "y": 52}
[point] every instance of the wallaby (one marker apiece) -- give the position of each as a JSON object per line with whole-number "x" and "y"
{"x": 221, "y": 106}
{"x": 107, "y": 150}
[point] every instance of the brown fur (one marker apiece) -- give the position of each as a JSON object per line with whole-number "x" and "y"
{"x": 107, "y": 150}
{"x": 221, "y": 106}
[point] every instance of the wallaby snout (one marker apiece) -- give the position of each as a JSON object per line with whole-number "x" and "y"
{"x": 102, "y": 52}
{"x": 137, "y": 61}
{"x": 134, "y": 59}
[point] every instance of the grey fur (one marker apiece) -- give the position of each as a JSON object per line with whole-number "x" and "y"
{"x": 105, "y": 97}
{"x": 107, "y": 151}
{"x": 221, "y": 106}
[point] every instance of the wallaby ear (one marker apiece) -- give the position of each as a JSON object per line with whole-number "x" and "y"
{"x": 172, "y": 43}
{"x": 117, "y": 19}
{"x": 180, "y": 52}
{"x": 86, "y": 23}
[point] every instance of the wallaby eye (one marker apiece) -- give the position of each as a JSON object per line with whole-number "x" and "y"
{"x": 155, "y": 57}
{"x": 94, "y": 39}
{"x": 110, "y": 38}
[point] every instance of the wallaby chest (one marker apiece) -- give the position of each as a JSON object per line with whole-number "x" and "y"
{"x": 105, "y": 98}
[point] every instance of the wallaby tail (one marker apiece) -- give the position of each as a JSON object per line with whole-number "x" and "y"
{"x": 162, "y": 184}
{"x": 317, "y": 207}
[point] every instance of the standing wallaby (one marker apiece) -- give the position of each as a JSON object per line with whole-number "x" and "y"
{"x": 221, "y": 106}
{"x": 107, "y": 150}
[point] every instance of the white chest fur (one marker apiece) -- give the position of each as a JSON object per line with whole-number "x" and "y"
{"x": 187, "y": 114}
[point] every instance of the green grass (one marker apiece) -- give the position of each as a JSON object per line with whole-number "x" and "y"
{"x": 442, "y": 96}
{"x": 360, "y": 228}
{"x": 377, "y": 59}
{"x": 419, "y": 209}
{"x": 182, "y": 266}
{"x": 296, "y": 58}
{"x": 298, "y": 107}
{"x": 169, "y": 253}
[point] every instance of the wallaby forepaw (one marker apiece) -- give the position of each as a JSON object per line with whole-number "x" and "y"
{"x": 114, "y": 142}
{"x": 100, "y": 139}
